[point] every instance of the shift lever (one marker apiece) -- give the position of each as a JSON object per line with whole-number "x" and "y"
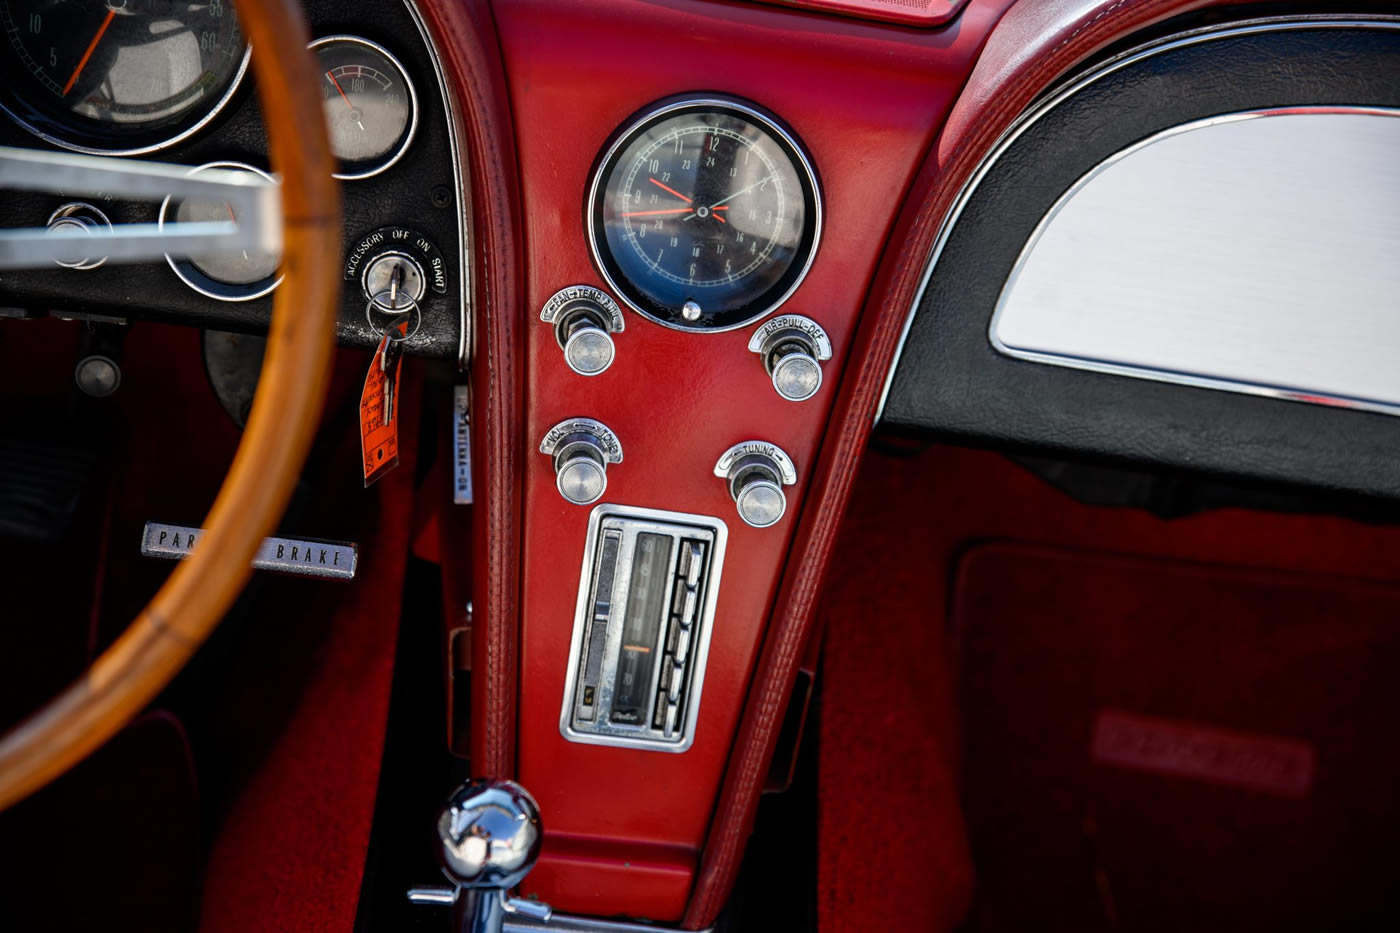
{"x": 490, "y": 839}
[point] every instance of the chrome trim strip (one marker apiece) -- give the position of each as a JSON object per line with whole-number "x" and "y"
{"x": 1055, "y": 97}
{"x": 412, "y": 102}
{"x": 770, "y": 124}
{"x": 303, "y": 557}
{"x": 1185, "y": 327}
{"x": 565, "y": 923}
{"x": 153, "y": 147}
{"x": 256, "y": 202}
{"x": 454, "y": 132}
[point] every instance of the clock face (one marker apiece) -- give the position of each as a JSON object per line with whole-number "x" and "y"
{"x": 704, "y": 215}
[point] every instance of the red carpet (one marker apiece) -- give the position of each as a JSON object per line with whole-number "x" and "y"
{"x": 108, "y": 846}
{"x": 1124, "y": 770}
{"x": 1054, "y": 840}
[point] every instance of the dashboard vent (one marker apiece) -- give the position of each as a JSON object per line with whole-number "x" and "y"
{"x": 905, "y": 12}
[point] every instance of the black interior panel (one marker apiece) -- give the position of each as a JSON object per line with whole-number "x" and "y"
{"x": 951, "y": 383}
{"x": 419, "y": 192}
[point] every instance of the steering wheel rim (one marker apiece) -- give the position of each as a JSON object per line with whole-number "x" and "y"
{"x": 280, "y": 429}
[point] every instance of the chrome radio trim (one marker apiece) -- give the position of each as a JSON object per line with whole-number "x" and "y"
{"x": 643, "y": 520}
{"x": 1056, "y": 96}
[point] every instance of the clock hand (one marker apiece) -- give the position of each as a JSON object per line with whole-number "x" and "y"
{"x": 716, "y": 206}
{"x": 761, "y": 181}
{"x": 670, "y": 190}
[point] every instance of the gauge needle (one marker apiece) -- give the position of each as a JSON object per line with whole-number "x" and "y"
{"x": 92, "y": 46}
{"x": 229, "y": 207}
{"x": 353, "y": 115}
{"x": 670, "y": 190}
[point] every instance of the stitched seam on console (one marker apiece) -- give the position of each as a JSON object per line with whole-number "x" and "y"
{"x": 498, "y": 439}
{"x": 1087, "y": 25}
{"x": 499, "y": 718}
{"x": 806, "y": 587}
{"x": 863, "y": 398}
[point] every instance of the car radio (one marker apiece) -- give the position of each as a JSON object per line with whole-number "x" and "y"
{"x": 646, "y": 607}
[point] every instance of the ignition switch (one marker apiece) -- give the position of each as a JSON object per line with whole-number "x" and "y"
{"x": 396, "y": 267}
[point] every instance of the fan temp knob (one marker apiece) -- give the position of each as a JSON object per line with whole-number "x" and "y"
{"x": 584, "y": 319}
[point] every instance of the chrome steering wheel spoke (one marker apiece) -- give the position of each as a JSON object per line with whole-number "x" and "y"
{"x": 255, "y": 209}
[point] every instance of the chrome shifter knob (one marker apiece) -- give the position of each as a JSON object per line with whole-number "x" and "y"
{"x": 490, "y": 837}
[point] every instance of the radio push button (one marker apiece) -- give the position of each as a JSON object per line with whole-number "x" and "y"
{"x": 793, "y": 349}
{"x": 582, "y": 449}
{"x": 756, "y": 472}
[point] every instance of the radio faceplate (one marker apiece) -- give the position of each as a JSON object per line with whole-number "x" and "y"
{"x": 642, "y": 626}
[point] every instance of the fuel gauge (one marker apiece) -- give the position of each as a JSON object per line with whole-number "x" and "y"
{"x": 370, "y": 105}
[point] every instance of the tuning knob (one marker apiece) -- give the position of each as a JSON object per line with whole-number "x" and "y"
{"x": 584, "y": 319}
{"x": 792, "y": 349}
{"x": 756, "y": 472}
{"x": 582, "y": 449}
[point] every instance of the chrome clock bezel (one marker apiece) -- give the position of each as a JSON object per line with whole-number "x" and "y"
{"x": 623, "y": 137}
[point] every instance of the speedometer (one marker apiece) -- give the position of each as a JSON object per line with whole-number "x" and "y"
{"x": 704, "y": 214}
{"x": 121, "y": 77}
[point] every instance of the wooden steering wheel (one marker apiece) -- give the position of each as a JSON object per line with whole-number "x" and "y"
{"x": 280, "y": 429}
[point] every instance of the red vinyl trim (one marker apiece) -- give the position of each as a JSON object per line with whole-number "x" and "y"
{"x": 465, "y": 35}
{"x": 1037, "y": 43}
{"x": 928, "y": 13}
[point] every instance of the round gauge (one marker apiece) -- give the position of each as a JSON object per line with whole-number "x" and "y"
{"x": 234, "y": 276}
{"x": 371, "y": 107}
{"x": 704, "y": 215}
{"x": 122, "y": 77}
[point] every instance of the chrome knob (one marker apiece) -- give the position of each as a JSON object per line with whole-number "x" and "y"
{"x": 792, "y": 349}
{"x": 584, "y": 319}
{"x": 490, "y": 834}
{"x": 755, "y": 473}
{"x": 81, "y": 218}
{"x": 587, "y": 347}
{"x": 582, "y": 449}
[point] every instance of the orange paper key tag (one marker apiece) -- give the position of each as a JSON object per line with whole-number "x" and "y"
{"x": 379, "y": 409}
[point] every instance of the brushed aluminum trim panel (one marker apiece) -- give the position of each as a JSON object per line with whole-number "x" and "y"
{"x": 1252, "y": 252}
